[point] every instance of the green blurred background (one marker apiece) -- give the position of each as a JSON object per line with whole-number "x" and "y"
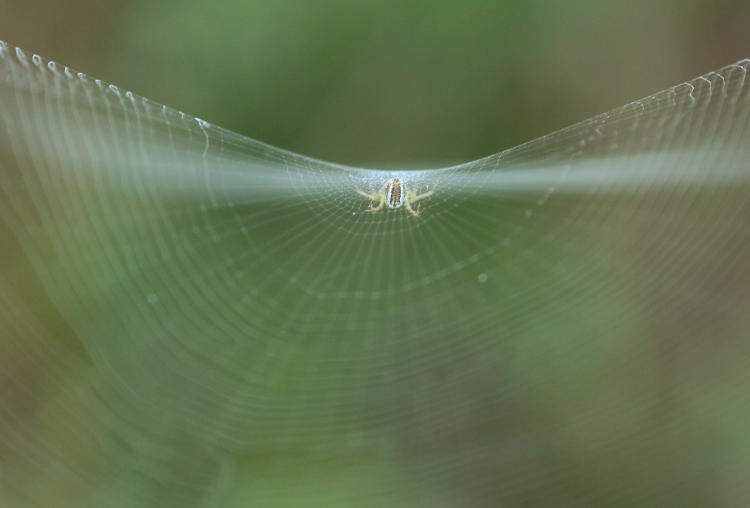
{"x": 406, "y": 83}
{"x": 386, "y": 82}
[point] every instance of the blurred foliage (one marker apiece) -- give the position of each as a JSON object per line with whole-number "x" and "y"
{"x": 387, "y": 82}
{"x": 399, "y": 83}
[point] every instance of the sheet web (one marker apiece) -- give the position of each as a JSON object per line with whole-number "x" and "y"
{"x": 213, "y": 320}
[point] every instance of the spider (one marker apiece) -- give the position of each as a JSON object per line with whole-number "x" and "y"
{"x": 394, "y": 194}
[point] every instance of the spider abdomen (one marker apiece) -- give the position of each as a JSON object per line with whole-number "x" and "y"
{"x": 394, "y": 193}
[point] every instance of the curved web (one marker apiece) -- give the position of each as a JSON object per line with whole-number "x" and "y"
{"x": 194, "y": 318}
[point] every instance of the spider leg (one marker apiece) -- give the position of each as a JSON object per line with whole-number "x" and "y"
{"x": 423, "y": 195}
{"x": 407, "y": 205}
{"x": 371, "y": 197}
{"x": 381, "y": 204}
{"x": 416, "y": 196}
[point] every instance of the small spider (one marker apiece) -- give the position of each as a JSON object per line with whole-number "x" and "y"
{"x": 394, "y": 194}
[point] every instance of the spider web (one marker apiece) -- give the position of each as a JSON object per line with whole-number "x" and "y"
{"x": 194, "y": 318}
